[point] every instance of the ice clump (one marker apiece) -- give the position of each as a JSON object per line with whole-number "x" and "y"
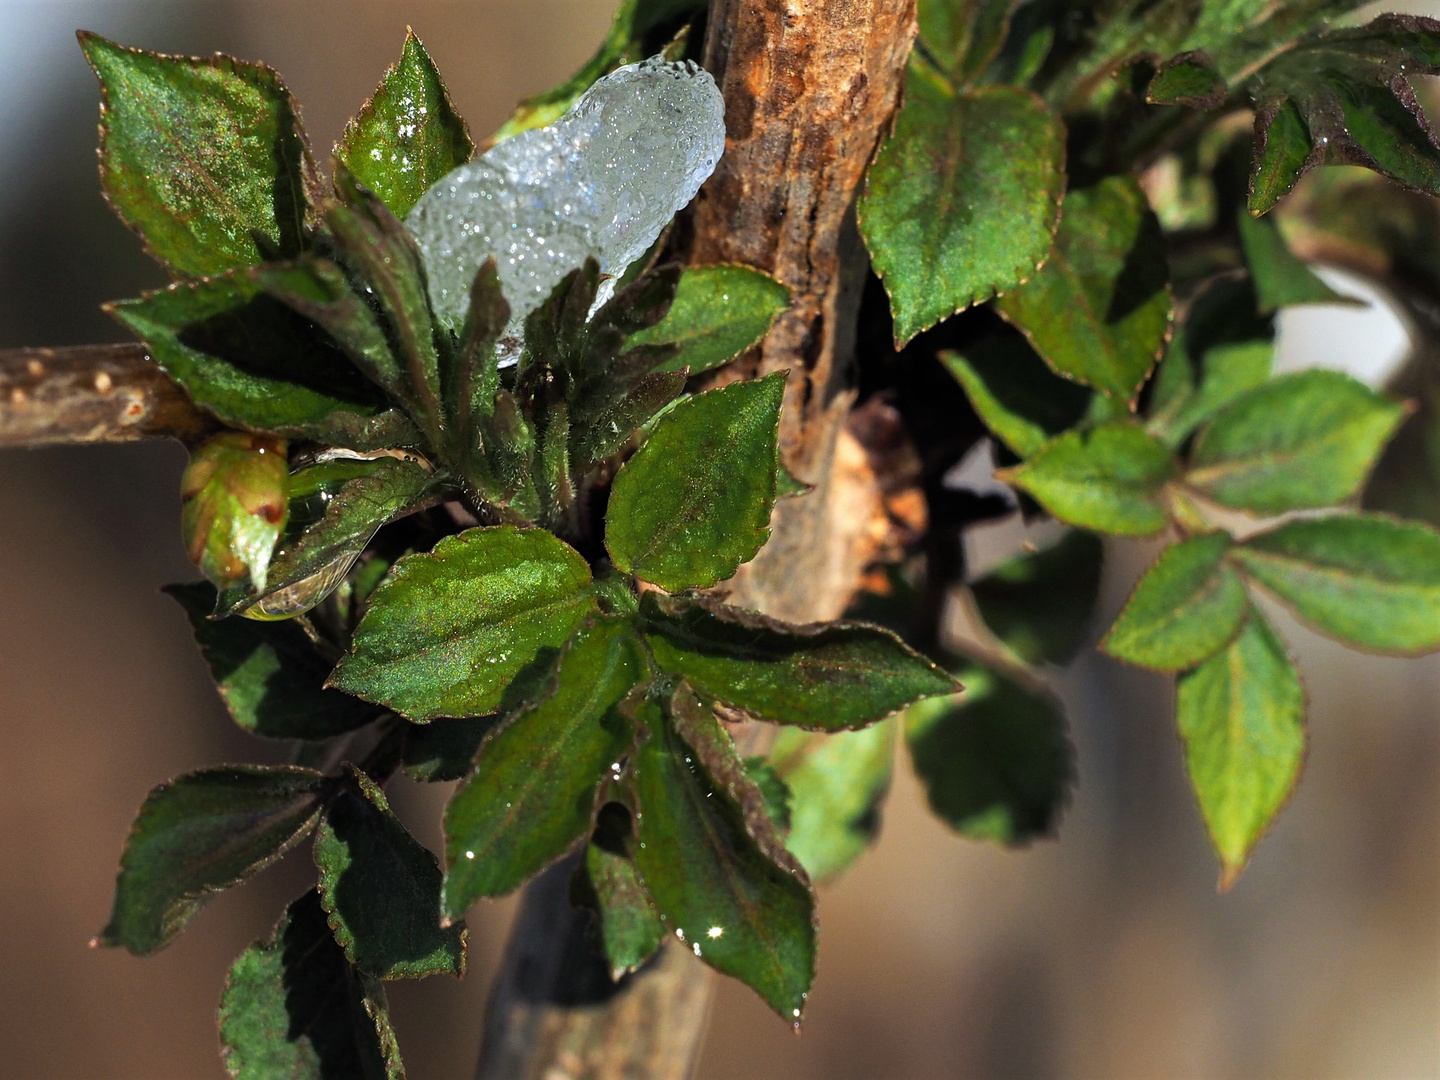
{"x": 603, "y": 180}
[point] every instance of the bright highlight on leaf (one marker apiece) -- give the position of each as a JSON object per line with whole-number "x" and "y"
{"x": 408, "y": 135}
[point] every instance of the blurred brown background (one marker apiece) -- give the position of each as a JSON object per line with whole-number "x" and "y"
{"x": 1106, "y": 955}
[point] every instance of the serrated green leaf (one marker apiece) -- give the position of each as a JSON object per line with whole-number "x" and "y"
{"x": 200, "y": 833}
{"x": 1344, "y": 97}
{"x": 996, "y": 764}
{"x": 408, "y": 135}
{"x": 256, "y": 364}
{"x": 1297, "y": 442}
{"x": 372, "y": 243}
{"x": 204, "y": 158}
{"x": 233, "y": 506}
{"x": 628, "y": 929}
{"x": 718, "y": 312}
{"x": 1281, "y": 278}
{"x": 826, "y": 677}
{"x": 1021, "y": 400}
{"x": 381, "y": 889}
{"x": 1187, "y": 607}
{"x": 1108, "y": 478}
{"x": 1368, "y": 580}
{"x": 443, "y": 749}
{"x": 712, "y": 861}
{"x": 448, "y": 631}
{"x": 837, "y": 783}
{"x": 532, "y": 794}
{"x": 1282, "y": 153}
{"x": 335, "y": 510}
{"x": 1039, "y": 604}
{"x": 1099, "y": 309}
{"x": 694, "y": 502}
{"x": 962, "y": 200}
{"x": 1241, "y": 714}
{"x": 270, "y": 677}
{"x": 294, "y": 1009}
{"x": 1188, "y": 79}
{"x": 964, "y": 35}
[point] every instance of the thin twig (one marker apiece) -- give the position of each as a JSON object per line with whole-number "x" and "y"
{"x": 90, "y": 394}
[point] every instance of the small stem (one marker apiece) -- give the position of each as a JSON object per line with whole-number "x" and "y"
{"x": 90, "y": 394}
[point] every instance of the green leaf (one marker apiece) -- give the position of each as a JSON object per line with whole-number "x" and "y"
{"x": 447, "y": 632}
{"x": 1241, "y": 714}
{"x": 204, "y": 158}
{"x": 234, "y": 506}
{"x": 824, "y": 676}
{"x": 294, "y": 1009}
{"x": 962, "y": 200}
{"x": 257, "y": 364}
{"x": 1281, "y": 278}
{"x": 1368, "y": 580}
{"x": 1344, "y": 97}
{"x": 837, "y": 783}
{"x": 1299, "y": 441}
{"x": 1021, "y": 400}
{"x": 718, "y": 312}
{"x": 1108, "y": 478}
{"x": 1225, "y": 349}
{"x": 372, "y": 243}
{"x": 1039, "y": 604}
{"x": 996, "y": 764}
{"x": 381, "y": 889}
{"x": 408, "y": 135}
{"x": 270, "y": 677}
{"x": 1099, "y": 309}
{"x": 1188, "y": 79}
{"x": 773, "y": 790}
{"x": 443, "y": 749}
{"x": 694, "y": 502}
{"x": 712, "y": 860}
{"x": 200, "y": 833}
{"x": 607, "y": 883}
{"x": 964, "y": 35}
{"x": 335, "y": 510}
{"x": 532, "y": 794}
{"x": 1187, "y": 607}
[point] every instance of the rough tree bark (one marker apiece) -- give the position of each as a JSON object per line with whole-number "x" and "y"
{"x": 810, "y": 89}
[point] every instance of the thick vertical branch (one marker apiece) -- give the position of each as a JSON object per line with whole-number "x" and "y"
{"x": 810, "y": 88}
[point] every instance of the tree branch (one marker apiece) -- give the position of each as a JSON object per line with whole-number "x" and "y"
{"x": 810, "y": 88}
{"x": 92, "y": 393}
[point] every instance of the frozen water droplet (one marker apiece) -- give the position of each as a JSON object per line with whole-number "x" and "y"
{"x": 603, "y": 180}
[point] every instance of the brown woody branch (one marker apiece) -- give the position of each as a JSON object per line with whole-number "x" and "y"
{"x": 810, "y": 88}
{"x": 92, "y": 394}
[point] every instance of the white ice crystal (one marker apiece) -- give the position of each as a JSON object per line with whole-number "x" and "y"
{"x": 603, "y": 180}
